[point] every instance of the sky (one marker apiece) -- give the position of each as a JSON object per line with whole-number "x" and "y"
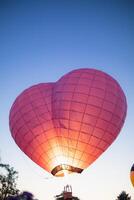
{"x": 42, "y": 40}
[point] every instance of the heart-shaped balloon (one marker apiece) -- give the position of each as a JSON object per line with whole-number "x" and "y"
{"x": 68, "y": 124}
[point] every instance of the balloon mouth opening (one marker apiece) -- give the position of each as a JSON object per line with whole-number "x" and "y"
{"x": 63, "y": 169}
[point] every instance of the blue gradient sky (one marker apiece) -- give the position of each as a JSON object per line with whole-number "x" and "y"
{"x": 42, "y": 40}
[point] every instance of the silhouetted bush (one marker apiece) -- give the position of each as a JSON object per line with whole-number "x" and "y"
{"x": 123, "y": 196}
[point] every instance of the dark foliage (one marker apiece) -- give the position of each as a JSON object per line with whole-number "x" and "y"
{"x": 8, "y": 190}
{"x": 62, "y": 198}
{"x": 22, "y": 196}
{"x": 73, "y": 198}
{"x": 8, "y": 182}
{"x": 123, "y": 196}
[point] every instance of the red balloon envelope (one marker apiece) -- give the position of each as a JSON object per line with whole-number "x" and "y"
{"x": 66, "y": 125}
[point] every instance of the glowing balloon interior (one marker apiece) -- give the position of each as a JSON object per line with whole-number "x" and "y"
{"x": 66, "y": 125}
{"x": 132, "y": 175}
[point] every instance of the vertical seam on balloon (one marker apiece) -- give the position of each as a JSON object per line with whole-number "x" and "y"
{"x": 94, "y": 124}
{"x": 31, "y": 131}
{"x": 27, "y": 127}
{"x": 83, "y": 117}
{"x": 57, "y": 122}
{"x": 105, "y": 110}
{"x": 69, "y": 118}
{"x": 100, "y": 113}
{"x": 98, "y": 117}
{"x": 67, "y": 157}
{"x": 48, "y": 111}
{"x": 30, "y": 120}
{"x": 19, "y": 110}
{"x": 49, "y": 120}
{"x": 80, "y": 125}
{"x": 101, "y": 139}
{"x": 34, "y": 113}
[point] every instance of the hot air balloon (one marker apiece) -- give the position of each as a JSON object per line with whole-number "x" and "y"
{"x": 132, "y": 175}
{"x": 65, "y": 126}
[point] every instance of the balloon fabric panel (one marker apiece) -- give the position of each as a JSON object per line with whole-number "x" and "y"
{"x": 68, "y": 124}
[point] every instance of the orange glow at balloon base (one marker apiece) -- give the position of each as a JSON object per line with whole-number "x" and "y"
{"x": 63, "y": 169}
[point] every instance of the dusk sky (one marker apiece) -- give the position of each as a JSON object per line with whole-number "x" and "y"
{"x": 42, "y": 40}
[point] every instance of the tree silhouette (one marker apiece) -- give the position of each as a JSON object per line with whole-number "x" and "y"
{"x": 7, "y": 181}
{"x": 73, "y": 198}
{"x": 8, "y": 189}
{"x": 26, "y": 196}
{"x": 123, "y": 196}
{"x": 22, "y": 196}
